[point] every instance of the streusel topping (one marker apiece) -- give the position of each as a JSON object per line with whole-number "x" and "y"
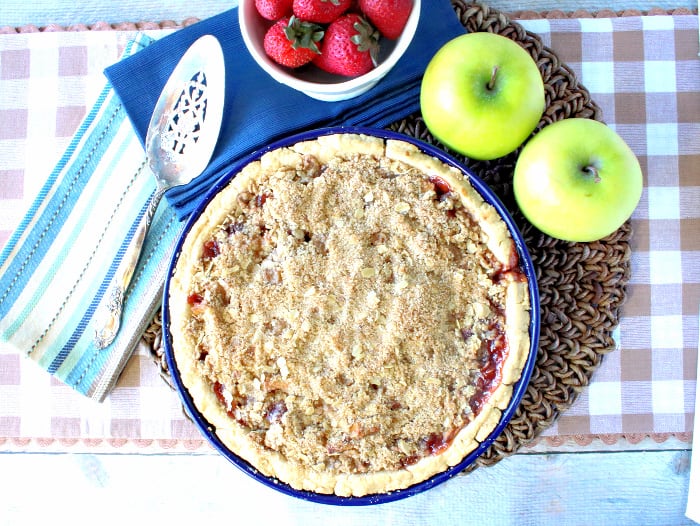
{"x": 349, "y": 314}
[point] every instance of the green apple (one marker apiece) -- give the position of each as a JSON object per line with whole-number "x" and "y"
{"x": 577, "y": 180}
{"x": 482, "y": 95}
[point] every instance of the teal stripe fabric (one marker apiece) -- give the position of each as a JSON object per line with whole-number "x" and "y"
{"x": 58, "y": 264}
{"x": 91, "y": 308}
{"x": 55, "y": 214}
{"x": 87, "y": 122}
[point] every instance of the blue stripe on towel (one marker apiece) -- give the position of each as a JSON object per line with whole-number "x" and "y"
{"x": 99, "y": 295}
{"x": 85, "y": 215}
{"x": 46, "y": 227}
{"x": 145, "y": 286}
{"x": 16, "y": 275}
{"x": 85, "y": 367}
{"x": 45, "y": 189}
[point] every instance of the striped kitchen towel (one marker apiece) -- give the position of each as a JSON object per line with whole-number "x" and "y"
{"x": 57, "y": 265}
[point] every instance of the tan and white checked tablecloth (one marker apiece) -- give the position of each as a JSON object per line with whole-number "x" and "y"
{"x": 644, "y": 73}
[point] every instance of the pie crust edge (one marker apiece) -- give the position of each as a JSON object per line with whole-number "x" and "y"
{"x": 272, "y": 463}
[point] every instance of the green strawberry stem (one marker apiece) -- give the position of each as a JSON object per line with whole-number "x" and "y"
{"x": 367, "y": 39}
{"x": 303, "y": 34}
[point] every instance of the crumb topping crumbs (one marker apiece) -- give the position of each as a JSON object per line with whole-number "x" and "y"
{"x": 348, "y": 314}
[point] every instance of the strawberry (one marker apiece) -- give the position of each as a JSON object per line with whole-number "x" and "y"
{"x": 292, "y": 42}
{"x": 349, "y": 47}
{"x": 274, "y": 9}
{"x": 388, "y": 16}
{"x": 320, "y": 11}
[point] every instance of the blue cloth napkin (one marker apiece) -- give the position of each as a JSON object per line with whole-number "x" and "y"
{"x": 259, "y": 110}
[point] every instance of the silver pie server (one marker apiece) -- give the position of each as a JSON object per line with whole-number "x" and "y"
{"x": 180, "y": 140}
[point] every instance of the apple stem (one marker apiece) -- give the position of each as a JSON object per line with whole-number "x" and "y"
{"x": 492, "y": 81}
{"x": 593, "y": 172}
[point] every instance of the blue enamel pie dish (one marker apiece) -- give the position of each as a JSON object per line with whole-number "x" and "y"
{"x": 519, "y": 387}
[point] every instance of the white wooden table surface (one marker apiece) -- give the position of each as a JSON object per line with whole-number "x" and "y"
{"x": 67, "y": 12}
{"x": 630, "y": 487}
{"x": 642, "y": 488}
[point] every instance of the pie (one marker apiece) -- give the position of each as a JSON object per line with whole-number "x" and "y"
{"x": 349, "y": 315}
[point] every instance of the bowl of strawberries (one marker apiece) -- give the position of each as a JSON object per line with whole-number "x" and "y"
{"x": 328, "y": 49}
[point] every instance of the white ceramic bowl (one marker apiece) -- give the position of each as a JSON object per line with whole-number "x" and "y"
{"x": 311, "y": 80}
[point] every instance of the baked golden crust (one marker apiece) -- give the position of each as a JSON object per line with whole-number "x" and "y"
{"x": 349, "y": 316}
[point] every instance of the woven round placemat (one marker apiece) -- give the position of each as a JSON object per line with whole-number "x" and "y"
{"x": 582, "y": 285}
